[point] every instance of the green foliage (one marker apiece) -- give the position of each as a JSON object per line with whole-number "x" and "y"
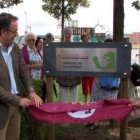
{"x": 38, "y": 86}
{"x": 136, "y": 4}
{"x": 56, "y": 7}
{"x": 62, "y": 9}
{"x": 8, "y": 3}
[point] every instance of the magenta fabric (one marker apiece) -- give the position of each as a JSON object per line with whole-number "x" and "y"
{"x": 60, "y": 113}
{"x": 25, "y": 54}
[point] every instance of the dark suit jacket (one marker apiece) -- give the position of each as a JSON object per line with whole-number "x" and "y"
{"x": 21, "y": 73}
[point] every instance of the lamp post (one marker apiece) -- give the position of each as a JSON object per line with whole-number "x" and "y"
{"x": 94, "y": 38}
{"x": 29, "y": 27}
{"x": 63, "y": 12}
{"x": 25, "y": 21}
{"x": 96, "y": 27}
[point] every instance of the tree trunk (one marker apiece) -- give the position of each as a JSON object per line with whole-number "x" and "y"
{"x": 62, "y": 20}
{"x": 118, "y": 33}
{"x": 118, "y": 20}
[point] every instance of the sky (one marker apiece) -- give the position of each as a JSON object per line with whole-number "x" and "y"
{"x": 31, "y": 16}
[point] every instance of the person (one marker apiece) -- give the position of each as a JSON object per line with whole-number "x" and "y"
{"x": 135, "y": 103}
{"x": 13, "y": 70}
{"x": 88, "y": 81}
{"x": 68, "y": 86}
{"x": 39, "y": 46}
{"x": 32, "y": 57}
{"x": 49, "y": 38}
{"x": 100, "y": 92}
{"x": 134, "y": 82}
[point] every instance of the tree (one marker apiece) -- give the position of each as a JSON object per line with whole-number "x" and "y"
{"x": 62, "y": 9}
{"x": 136, "y": 4}
{"x": 8, "y": 3}
{"x": 118, "y": 20}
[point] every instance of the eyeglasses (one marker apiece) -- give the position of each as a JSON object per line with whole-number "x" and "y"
{"x": 13, "y": 32}
{"x": 31, "y": 40}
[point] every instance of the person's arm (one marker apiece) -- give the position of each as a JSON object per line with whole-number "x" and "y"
{"x": 36, "y": 100}
{"x": 35, "y": 66}
{"x": 27, "y": 81}
{"x": 8, "y": 98}
{"x": 136, "y": 103}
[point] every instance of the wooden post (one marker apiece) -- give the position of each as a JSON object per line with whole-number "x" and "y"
{"x": 49, "y": 92}
{"x": 118, "y": 33}
{"x": 123, "y": 94}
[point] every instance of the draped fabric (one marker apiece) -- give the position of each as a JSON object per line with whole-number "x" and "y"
{"x": 69, "y": 113}
{"x": 25, "y": 54}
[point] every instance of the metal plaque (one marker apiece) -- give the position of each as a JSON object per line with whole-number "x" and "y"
{"x": 86, "y": 59}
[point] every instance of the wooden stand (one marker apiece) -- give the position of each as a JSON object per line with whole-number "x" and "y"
{"x": 123, "y": 94}
{"x": 49, "y": 92}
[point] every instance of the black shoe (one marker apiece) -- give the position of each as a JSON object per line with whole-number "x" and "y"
{"x": 88, "y": 124}
{"x": 93, "y": 127}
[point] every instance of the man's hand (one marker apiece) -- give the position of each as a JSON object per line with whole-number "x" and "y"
{"x": 35, "y": 99}
{"x": 25, "y": 102}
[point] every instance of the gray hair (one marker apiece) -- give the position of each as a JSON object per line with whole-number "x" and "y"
{"x": 67, "y": 29}
{"x": 29, "y": 34}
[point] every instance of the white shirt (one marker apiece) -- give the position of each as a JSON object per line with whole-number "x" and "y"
{"x": 8, "y": 60}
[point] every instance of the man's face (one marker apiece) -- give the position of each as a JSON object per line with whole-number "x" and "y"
{"x": 9, "y": 34}
{"x": 49, "y": 39}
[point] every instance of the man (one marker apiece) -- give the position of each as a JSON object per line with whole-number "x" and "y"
{"x": 49, "y": 38}
{"x": 12, "y": 70}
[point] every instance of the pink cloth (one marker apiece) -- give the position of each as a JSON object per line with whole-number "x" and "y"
{"x": 77, "y": 113}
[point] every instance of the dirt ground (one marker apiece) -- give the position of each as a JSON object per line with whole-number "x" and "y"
{"x": 104, "y": 132}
